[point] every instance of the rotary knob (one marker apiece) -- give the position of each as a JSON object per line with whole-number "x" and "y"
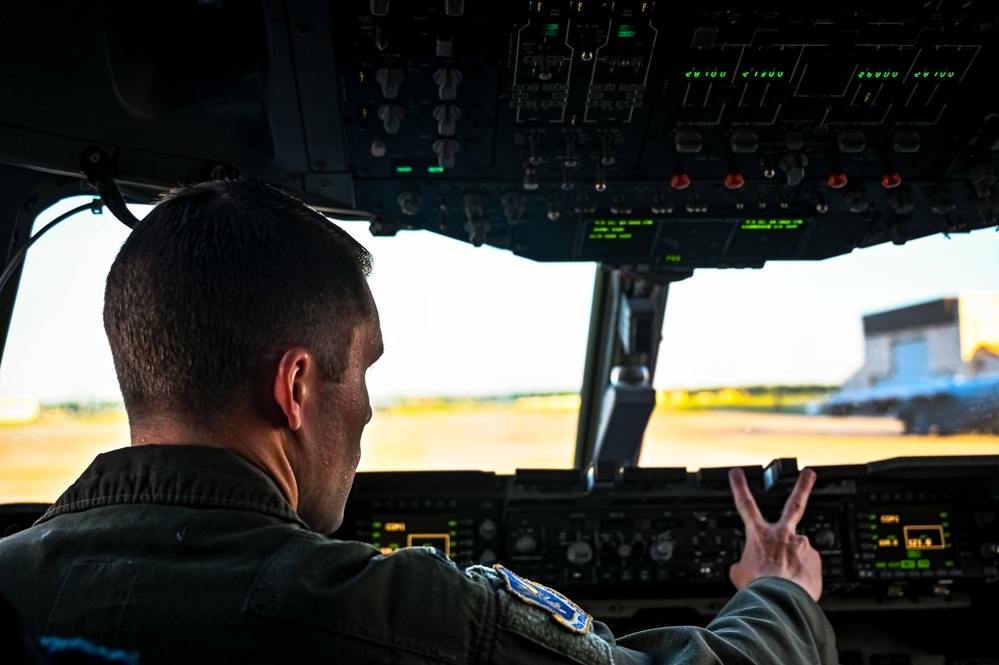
{"x": 525, "y": 544}
{"x": 661, "y": 550}
{"x": 488, "y": 529}
{"x": 579, "y": 553}
{"x": 823, "y": 539}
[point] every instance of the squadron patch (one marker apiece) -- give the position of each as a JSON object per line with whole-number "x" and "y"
{"x": 561, "y": 608}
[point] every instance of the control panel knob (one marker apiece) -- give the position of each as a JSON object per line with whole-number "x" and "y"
{"x": 579, "y": 553}
{"x": 688, "y": 141}
{"x": 513, "y": 207}
{"x": 624, "y": 550}
{"x": 390, "y": 78}
{"x": 525, "y": 544}
{"x": 488, "y": 529}
{"x": 446, "y": 149}
{"x": 447, "y": 116}
{"x": 391, "y": 116}
{"x": 745, "y": 141}
{"x": 409, "y": 202}
{"x": 824, "y": 539}
{"x": 661, "y": 550}
{"x": 444, "y": 47}
{"x": 856, "y": 201}
{"x": 488, "y": 557}
{"x": 553, "y": 208}
{"x": 793, "y": 164}
{"x": 534, "y": 144}
{"x": 901, "y": 202}
{"x": 447, "y": 80}
{"x": 851, "y": 141}
{"x": 607, "y": 150}
{"x": 905, "y": 140}
{"x": 530, "y": 178}
{"x": 942, "y": 203}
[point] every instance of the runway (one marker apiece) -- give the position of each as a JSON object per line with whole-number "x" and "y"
{"x": 38, "y": 462}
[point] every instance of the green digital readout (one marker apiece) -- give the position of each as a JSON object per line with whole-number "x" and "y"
{"x": 910, "y": 538}
{"x": 617, "y": 229}
{"x": 626, "y": 31}
{"x": 763, "y": 74}
{"x": 706, "y": 73}
{"x": 877, "y": 74}
{"x": 939, "y": 74}
{"x": 435, "y": 169}
{"x": 549, "y": 29}
{"x": 772, "y": 224}
{"x": 672, "y": 258}
{"x": 404, "y": 169}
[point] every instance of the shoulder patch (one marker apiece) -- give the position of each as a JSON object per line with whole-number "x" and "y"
{"x": 563, "y": 610}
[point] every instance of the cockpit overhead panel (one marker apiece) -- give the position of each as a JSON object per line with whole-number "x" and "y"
{"x": 645, "y": 135}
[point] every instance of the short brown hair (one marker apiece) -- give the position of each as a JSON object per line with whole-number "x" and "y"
{"x": 216, "y": 276}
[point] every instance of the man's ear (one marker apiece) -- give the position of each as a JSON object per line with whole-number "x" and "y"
{"x": 291, "y": 384}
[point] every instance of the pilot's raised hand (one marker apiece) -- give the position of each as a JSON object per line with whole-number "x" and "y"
{"x": 774, "y": 549}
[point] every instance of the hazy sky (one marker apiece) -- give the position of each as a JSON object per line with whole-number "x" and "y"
{"x": 464, "y": 320}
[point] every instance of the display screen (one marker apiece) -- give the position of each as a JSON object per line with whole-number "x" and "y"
{"x": 911, "y": 538}
{"x": 392, "y": 532}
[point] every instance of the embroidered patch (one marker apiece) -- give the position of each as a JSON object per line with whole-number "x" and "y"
{"x": 561, "y": 608}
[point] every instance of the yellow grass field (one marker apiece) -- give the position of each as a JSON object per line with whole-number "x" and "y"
{"x": 38, "y": 461}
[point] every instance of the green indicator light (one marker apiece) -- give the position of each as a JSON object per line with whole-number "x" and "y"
{"x": 945, "y": 515}
{"x": 673, "y": 258}
{"x": 874, "y": 527}
{"x": 893, "y": 564}
{"x": 626, "y": 31}
{"x": 376, "y": 534}
{"x": 923, "y": 563}
{"x": 435, "y": 169}
{"x": 404, "y": 169}
{"x": 549, "y": 29}
{"x": 454, "y": 534}
{"x": 880, "y": 564}
{"x": 914, "y": 554}
{"x": 376, "y": 525}
{"x": 872, "y": 517}
{"x": 625, "y": 236}
{"x": 948, "y": 564}
{"x": 907, "y": 564}
{"x": 394, "y": 546}
{"x": 452, "y": 522}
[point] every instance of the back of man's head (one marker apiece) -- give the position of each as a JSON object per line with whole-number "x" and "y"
{"x": 214, "y": 278}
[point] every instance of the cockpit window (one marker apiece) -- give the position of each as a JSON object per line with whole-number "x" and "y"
{"x": 484, "y": 357}
{"x": 794, "y": 360}
{"x": 482, "y": 366}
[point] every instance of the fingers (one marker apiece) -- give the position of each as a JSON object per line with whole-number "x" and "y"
{"x": 744, "y": 501}
{"x": 794, "y": 508}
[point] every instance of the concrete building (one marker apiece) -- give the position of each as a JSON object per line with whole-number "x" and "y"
{"x": 950, "y": 337}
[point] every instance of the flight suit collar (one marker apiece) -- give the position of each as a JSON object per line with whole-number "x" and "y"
{"x": 181, "y": 475}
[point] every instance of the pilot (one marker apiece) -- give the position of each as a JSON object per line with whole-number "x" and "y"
{"x": 241, "y": 326}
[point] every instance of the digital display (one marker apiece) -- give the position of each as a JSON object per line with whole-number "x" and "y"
{"x": 772, "y": 224}
{"x": 392, "y": 532}
{"x": 910, "y": 539}
{"x": 706, "y": 73}
{"x": 604, "y": 238}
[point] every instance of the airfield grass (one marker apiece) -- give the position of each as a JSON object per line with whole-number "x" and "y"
{"x": 39, "y": 460}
